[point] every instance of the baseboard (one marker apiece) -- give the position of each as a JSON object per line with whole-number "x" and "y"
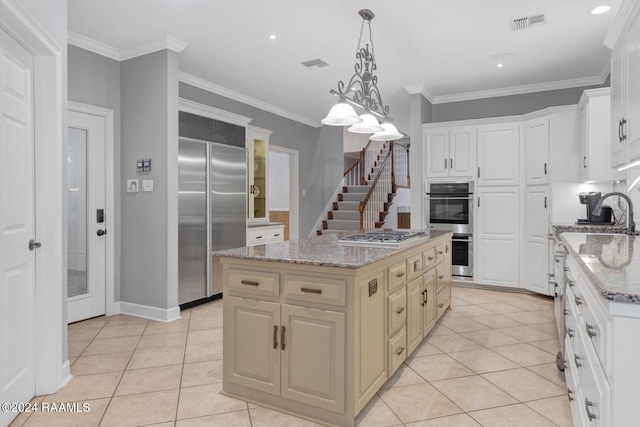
{"x": 147, "y": 312}
{"x": 65, "y": 373}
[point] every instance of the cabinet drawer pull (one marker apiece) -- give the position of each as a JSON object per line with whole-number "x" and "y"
{"x": 276, "y": 235}
{"x": 399, "y": 351}
{"x": 275, "y": 337}
{"x": 570, "y": 332}
{"x": 588, "y": 404}
{"x": 259, "y": 237}
{"x": 440, "y": 252}
{"x": 430, "y": 258}
{"x": 440, "y": 277}
{"x": 570, "y": 283}
{"x": 282, "y": 345}
{"x": 591, "y": 330}
{"x": 578, "y": 300}
{"x": 566, "y": 312}
{"x": 577, "y": 359}
{"x": 570, "y": 393}
{"x": 399, "y": 310}
{"x": 311, "y": 290}
{"x": 400, "y": 274}
{"x": 250, "y": 283}
{"x": 441, "y": 305}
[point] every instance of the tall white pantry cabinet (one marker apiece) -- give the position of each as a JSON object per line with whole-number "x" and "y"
{"x": 516, "y": 160}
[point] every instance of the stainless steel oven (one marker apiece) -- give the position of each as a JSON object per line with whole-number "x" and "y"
{"x": 449, "y": 206}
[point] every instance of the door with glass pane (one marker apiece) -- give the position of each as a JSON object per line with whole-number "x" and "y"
{"x": 86, "y": 223}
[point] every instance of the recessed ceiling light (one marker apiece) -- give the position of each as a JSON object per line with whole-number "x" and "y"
{"x": 600, "y": 10}
{"x": 499, "y": 65}
{"x": 272, "y": 36}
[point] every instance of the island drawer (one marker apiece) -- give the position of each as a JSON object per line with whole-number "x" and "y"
{"x": 275, "y": 234}
{"x": 414, "y": 266}
{"x": 257, "y": 236}
{"x": 397, "y": 349}
{"x": 253, "y": 282}
{"x": 315, "y": 289}
{"x": 397, "y": 310}
{"x": 441, "y": 250}
{"x": 429, "y": 258}
{"x": 397, "y": 276}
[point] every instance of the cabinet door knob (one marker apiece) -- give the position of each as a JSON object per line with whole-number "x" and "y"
{"x": 578, "y": 359}
{"x": 400, "y": 351}
{"x": 591, "y": 330}
{"x": 587, "y": 405}
{"x": 399, "y": 310}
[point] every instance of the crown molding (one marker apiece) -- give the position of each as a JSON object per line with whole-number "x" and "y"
{"x": 167, "y": 42}
{"x": 519, "y": 90}
{"x": 213, "y": 113}
{"x": 419, "y": 89}
{"x": 236, "y": 96}
{"x": 93, "y": 46}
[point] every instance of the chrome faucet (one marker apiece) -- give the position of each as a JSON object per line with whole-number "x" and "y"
{"x": 631, "y": 229}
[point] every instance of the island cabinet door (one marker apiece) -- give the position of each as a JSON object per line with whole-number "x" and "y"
{"x": 429, "y": 307}
{"x": 252, "y": 346}
{"x": 313, "y": 357}
{"x": 415, "y": 309}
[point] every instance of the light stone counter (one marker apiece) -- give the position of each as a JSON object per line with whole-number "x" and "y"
{"x": 608, "y": 260}
{"x": 323, "y": 251}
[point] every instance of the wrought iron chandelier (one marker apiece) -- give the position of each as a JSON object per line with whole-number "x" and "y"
{"x": 362, "y": 91}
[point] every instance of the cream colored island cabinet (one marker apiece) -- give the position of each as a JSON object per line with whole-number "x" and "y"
{"x": 314, "y": 328}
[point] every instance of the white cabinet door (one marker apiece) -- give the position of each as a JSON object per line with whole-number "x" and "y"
{"x": 499, "y": 154}
{"x": 429, "y": 306}
{"x": 618, "y": 104}
{"x": 633, "y": 89}
{"x": 462, "y": 152}
{"x": 497, "y": 236}
{"x": 257, "y": 174}
{"x": 252, "y": 347}
{"x": 415, "y": 301}
{"x": 536, "y": 260}
{"x": 584, "y": 142}
{"x": 436, "y": 153}
{"x": 536, "y": 141}
{"x": 313, "y": 364}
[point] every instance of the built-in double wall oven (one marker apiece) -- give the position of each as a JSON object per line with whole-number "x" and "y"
{"x": 449, "y": 206}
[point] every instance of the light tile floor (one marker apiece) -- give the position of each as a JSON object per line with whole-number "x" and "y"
{"x": 489, "y": 362}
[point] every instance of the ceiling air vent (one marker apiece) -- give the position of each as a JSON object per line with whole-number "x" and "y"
{"x": 527, "y": 22}
{"x": 315, "y": 63}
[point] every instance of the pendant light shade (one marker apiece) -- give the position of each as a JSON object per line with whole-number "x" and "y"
{"x": 369, "y": 124}
{"x": 341, "y": 114}
{"x": 390, "y": 133}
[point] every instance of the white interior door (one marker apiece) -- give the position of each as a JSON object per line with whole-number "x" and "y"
{"x": 87, "y": 232}
{"x": 17, "y": 226}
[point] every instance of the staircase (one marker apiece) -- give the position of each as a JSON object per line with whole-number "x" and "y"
{"x": 346, "y": 212}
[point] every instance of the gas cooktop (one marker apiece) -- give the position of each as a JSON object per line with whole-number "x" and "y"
{"x": 377, "y": 239}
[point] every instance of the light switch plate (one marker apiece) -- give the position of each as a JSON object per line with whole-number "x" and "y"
{"x": 147, "y": 185}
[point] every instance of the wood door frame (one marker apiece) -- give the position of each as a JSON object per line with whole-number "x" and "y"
{"x": 52, "y": 368}
{"x": 108, "y": 116}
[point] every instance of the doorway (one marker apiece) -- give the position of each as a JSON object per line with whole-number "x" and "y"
{"x": 90, "y": 232}
{"x": 283, "y": 189}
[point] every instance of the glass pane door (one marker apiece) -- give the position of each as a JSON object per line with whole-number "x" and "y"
{"x": 77, "y": 214}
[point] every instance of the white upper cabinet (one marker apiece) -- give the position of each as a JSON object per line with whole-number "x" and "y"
{"x": 257, "y": 174}
{"x": 625, "y": 85}
{"x": 595, "y": 126}
{"x": 536, "y": 139}
{"x": 498, "y": 154}
{"x": 450, "y": 152}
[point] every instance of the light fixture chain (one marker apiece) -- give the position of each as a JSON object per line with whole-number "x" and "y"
{"x": 373, "y": 54}
{"x": 360, "y": 38}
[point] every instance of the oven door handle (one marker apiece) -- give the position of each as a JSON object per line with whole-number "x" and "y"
{"x": 449, "y": 198}
{"x": 462, "y": 240}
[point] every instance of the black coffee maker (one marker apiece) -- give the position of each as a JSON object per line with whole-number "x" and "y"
{"x": 591, "y": 199}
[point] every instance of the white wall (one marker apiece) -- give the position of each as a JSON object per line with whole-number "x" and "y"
{"x": 278, "y": 181}
{"x": 354, "y": 141}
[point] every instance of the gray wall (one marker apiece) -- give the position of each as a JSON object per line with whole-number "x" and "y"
{"x": 145, "y": 96}
{"x": 512, "y": 105}
{"x": 95, "y": 80}
{"x": 320, "y": 150}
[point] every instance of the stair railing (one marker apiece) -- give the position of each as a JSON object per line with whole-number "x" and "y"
{"x": 357, "y": 173}
{"x": 400, "y": 165}
{"x": 373, "y": 204}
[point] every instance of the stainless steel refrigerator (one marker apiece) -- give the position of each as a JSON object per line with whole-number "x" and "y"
{"x": 212, "y": 212}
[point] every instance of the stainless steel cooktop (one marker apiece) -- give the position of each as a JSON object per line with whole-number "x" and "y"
{"x": 377, "y": 239}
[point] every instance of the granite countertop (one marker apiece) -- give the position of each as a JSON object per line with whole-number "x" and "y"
{"x": 322, "y": 251}
{"x": 609, "y": 263}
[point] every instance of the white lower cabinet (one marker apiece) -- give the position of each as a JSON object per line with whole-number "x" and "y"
{"x": 497, "y": 237}
{"x": 601, "y": 352}
{"x": 536, "y": 241}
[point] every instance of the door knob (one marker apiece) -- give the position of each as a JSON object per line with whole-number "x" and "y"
{"x": 101, "y": 232}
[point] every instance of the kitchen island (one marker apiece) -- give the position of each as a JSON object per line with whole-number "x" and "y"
{"x": 602, "y": 313}
{"x": 314, "y": 328}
